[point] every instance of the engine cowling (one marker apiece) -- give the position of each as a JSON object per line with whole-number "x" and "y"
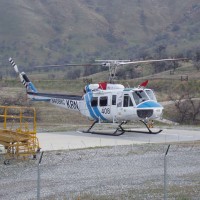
{"x": 103, "y": 86}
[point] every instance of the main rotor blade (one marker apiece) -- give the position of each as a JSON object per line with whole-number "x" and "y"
{"x": 151, "y": 61}
{"x": 104, "y": 61}
{"x": 110, "y": 62}
{"x": 65, "y": 65}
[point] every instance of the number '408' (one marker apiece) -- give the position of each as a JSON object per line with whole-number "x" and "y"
{"x": 105, "y": 110}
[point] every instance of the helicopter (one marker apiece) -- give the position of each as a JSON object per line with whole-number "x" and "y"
{"x": 106, "y": 102}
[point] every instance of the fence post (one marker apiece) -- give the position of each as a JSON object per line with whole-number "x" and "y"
{"x": 38, "y": 176}
{"x": 165, "y": 173}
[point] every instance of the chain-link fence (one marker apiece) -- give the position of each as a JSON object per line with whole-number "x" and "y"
{"x": 119, "y": 172}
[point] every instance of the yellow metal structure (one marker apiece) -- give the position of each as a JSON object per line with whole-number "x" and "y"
{"x": 18, "y": 131}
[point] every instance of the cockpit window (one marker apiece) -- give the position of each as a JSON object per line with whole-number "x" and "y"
{"x": 127, "y": 101}
{"x": 151, "y": 95}
{"x": 140, "y": 96}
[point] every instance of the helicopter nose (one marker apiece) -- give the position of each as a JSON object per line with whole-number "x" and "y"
{"x": 150, "y": 109}
{"x": 145, "y": 113}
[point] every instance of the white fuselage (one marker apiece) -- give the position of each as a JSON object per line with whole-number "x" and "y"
{"x": 113, "y": 104}
{"x": 120, "y": 105}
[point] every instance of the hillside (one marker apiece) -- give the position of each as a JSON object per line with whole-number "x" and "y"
{"x": 46, "y": 31}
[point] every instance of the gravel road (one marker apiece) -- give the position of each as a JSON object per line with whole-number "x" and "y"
{"x": 120, "y": 172}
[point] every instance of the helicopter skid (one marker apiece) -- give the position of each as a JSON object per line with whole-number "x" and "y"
{"x": 135, "y": 131}
{"x": 146, "y": 132}
{"x": 103, "y": 133}
{"x": 120, "y": 130}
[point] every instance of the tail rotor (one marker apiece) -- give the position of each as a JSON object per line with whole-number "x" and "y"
{"x": 23, "y": 78}
{"x": 14, "y": 65}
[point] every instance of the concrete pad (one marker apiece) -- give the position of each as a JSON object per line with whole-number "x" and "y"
{"x": 74, "y": 140}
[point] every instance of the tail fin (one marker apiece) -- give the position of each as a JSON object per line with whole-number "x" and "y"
{"x": 24, "y": 78}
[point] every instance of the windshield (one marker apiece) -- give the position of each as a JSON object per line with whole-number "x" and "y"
{"x": 151, "y": 95}
{"x": 140, "y": 96}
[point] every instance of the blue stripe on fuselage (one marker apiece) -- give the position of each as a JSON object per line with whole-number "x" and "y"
{"x": 87, "y": 99}
{"x": 149, "y": 104}
{"x": 98, "y": 114}
{"x": 94, "y": 111}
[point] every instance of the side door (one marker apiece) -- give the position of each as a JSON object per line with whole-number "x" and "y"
{"x": 113, "y": 107}
{"x": 127, "y": 107}
{"x": 119, "y": 108}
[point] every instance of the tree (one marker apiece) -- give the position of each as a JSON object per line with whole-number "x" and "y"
{"x": 88, "y": 70}
{"x": 196, "y": 65}
{"x": 196, "y": 60}
{"x": 161, "y": 51}
{"x": 127, "y": 73}
{"x": 188, "y": 109}
{"x": 186, "y": 105}
{"x": 73, "y": 74}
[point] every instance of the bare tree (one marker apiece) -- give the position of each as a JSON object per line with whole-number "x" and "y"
{"x": 196, "y": 59}
{"x": 197, "y": 65}
{"x": 186, "y": 105}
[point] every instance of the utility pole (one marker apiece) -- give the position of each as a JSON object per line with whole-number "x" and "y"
{"x": 165, "y": 173}
{"x": 38, "y": 176}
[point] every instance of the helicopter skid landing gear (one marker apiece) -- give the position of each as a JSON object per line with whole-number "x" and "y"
{"x": 119, "y": 130}
{"x": 147, "y": 132}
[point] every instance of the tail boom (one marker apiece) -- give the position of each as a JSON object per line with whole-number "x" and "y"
{"x": 70, "y": 102}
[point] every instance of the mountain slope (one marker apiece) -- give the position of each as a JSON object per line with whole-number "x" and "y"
{"x": 47, "y": 31}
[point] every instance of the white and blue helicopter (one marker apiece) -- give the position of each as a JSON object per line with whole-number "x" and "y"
{"x": 106, "y": 102}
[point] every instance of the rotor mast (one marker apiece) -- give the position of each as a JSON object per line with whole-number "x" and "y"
{"x": 112, "y": 67}
{"x": 112, "y": 72}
